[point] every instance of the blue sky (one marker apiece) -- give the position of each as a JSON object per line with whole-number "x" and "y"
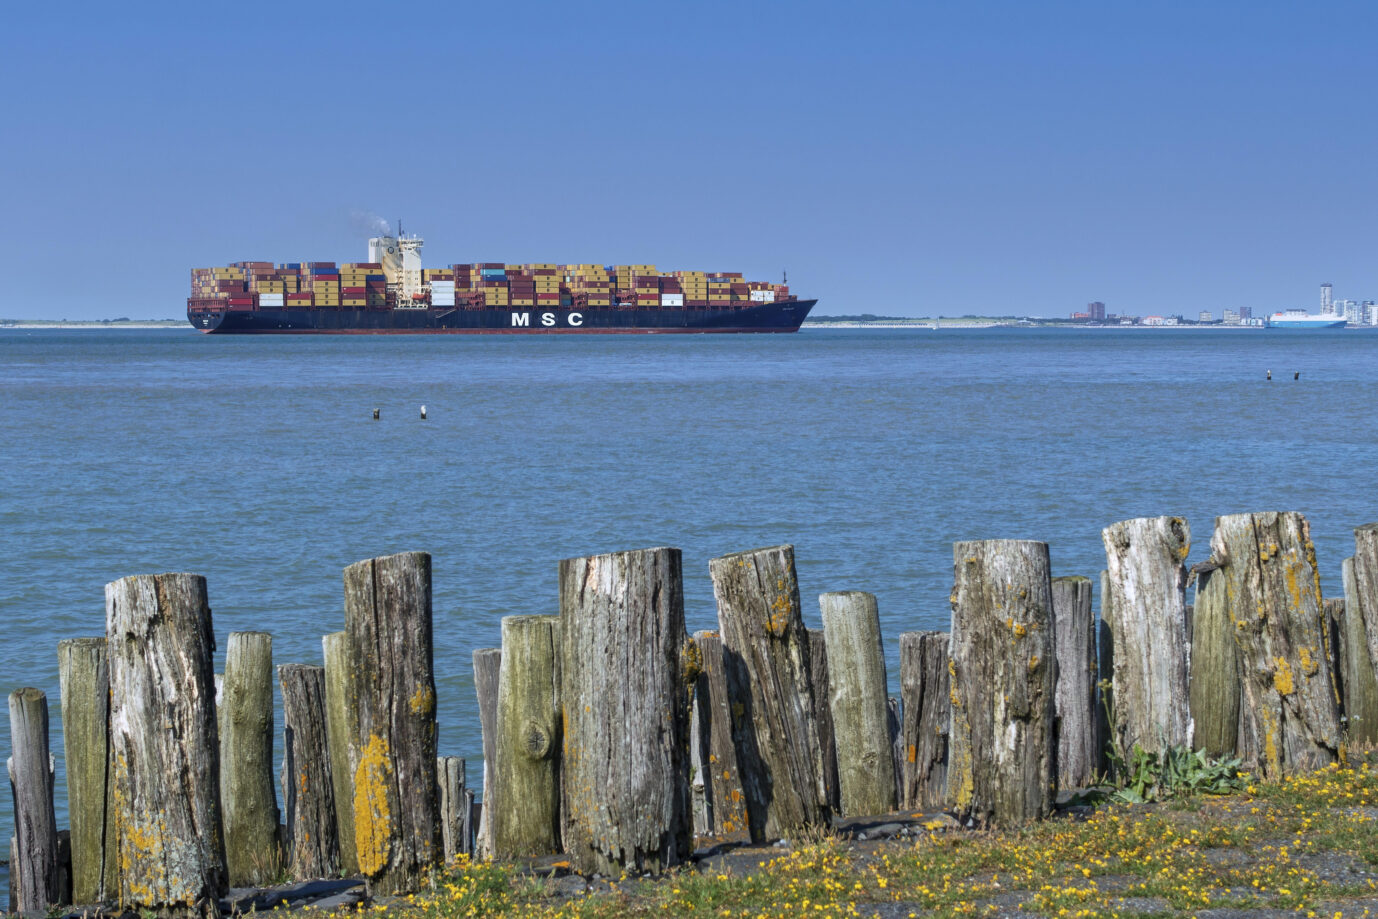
{"x": 906, "y": 159}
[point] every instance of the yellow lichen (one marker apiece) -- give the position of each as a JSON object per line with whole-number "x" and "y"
{"x": 372, "y": 812}
{"x": 1282, "y": 677}
{"x": 422, "y": 701}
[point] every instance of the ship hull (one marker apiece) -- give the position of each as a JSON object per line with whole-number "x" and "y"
{"x": 782, "y": 316}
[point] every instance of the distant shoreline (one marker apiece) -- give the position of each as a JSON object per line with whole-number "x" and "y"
{"x": 34, "y": 324}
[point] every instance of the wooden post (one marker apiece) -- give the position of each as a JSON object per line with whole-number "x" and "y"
{"x": 767, "y": 653}
{"x": 1077, "y": 754}
{"x": 84, "y": 678}
{"x": 1105, "y": 695}
{"x": 526, "y": 789}
{"x": 1002, "y": 754}
{"x": 388, "y": 636}
{"x": 1215, "y": 673}
{"x": 1147, "y": 614}
{"x": 249, "y": 803}
{"x": 723, "y": 782}
{"x": 1357, "y": 676}
{"x": 626, "y": 672}
{"x": 487, "y": 666}
{"x": 342, "y": 733}
{"x": 821, "y": 687}
{"x": 865, "y": 756}
{"x": 1289, "y": 720}
{"x": 311, "y": 843}
{"x": 927, "y": 714}
{"x": 36, "y": 868}
{"x": 1335, "y": 640}
{"x": 894, "y": 717}
{"x": 166, "y": 780}
{"x": 453, "y": 803}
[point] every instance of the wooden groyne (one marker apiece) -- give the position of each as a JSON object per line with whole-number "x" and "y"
{"x": 613, "y": 736}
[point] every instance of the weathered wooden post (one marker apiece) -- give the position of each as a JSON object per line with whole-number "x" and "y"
{"x": 453, "y": 804}
{"x": 1002, "y": 753}
{"x": 723, "y": 782}
{"x": 626, "y": 672}
{"x": 247, "y": 799}
{"x": 487, "y": 666}
{"x": 1289, "y": 716}
{"x": 1146, "y": 609}
{"x": 1357, "y": 675}
{"x": 927, "y": 713}
{"x": 767, "y": 653}
{"x": 342, "y": 733}
{"x": 388, "y": 636}
{"x": 84, "y": 678}
{"x": 36, "y": 868}
{"x": 1078, "y": 751}
{"x": 821, "y": 687}
{"x": 312, "y": 844}
{"x": 166, "y": 779}
{"x": 526, "y": 789}
{"x": 856, "y": 658}
{"x": 1215, "y": 674}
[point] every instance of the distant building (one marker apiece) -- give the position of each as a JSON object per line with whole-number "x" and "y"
{"x": 1205, "y": 316}
{"x": 1096, "y": 310}
{"x": 1231, "y": 317}
{"x": 1351, "y": 310}
{"x": 1081, "y": 315}
{"x": 1327, "y": 305}
{"x": 1246, "y": 312}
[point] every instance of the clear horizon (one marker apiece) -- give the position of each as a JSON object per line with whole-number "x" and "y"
{"x": 899, "y": 159}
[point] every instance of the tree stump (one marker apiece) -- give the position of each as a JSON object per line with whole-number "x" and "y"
{"x": 1358, "y": 614}
{"x": 526, "y": 789}
{"x": 821, "y": 686}
{"x": 927, "y": 718}
{"x": 1215, "y": 673}
{"x": 341, "y": 734}
{"x": 388, "y": 635}
{"x": 249, "y": 804}
{"x": 1147, "y": 609}
{"x": 36, "y": 868}
{"x": 767, "y": 654}
{"x": 453, "y": 806}
{"x": 723, "y": 783}
{"x": 1289, "y": 718}
{"x": 626, "y": 671}
{"x": 84, "y": 677}
{"x": 1075, "y": 681}
{"x": 311, "y": 842}
{"x": 856, "y": 658}
{"x": 487, "y": 666}
{"x": 166, "y": 780}
{"x": 1002, "y": 753}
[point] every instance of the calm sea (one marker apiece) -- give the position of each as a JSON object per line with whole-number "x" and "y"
{"x": 255, "y": 462}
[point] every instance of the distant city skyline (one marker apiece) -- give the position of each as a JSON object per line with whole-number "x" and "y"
{"x": 911, "y": 159}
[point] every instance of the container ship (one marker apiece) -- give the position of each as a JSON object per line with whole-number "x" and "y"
{"x": 392, "y": 292}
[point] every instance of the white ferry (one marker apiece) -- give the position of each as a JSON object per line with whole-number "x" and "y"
{"x": 1301, "y": 319}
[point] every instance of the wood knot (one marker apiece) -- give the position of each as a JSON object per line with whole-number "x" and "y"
{"x": 537, "y": 740}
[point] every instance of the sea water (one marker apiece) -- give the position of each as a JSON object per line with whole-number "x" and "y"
{"x": 255, "y": 461}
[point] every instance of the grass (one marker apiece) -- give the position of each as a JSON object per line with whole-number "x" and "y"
{"x": 1289, "y": 845}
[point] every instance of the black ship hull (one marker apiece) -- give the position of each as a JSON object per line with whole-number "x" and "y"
{"x": 781, "y": 316}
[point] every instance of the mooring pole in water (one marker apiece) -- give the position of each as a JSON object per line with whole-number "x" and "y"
{"x": 423, "y": 413}
{"x": 376, "y": 411}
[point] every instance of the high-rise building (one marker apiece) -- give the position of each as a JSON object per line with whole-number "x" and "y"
{"x": 1205, "y": 316}
{"x": 1096, "y": 309}
{"x": 1246, "y": 312}
{"x": 1327, "y": 305}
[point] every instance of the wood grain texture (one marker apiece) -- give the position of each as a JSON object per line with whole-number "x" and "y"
{"x": 1002, "y": 752}
{"x": 388, "y": 636}
{"x": 1215, "y": 673}
{"x": 1147, "y": 579}
{"x": 767, "y": 653}
{"x": 342, "y": 738}
{"x": 247, "y": 795}
{"x": 856, "y": 658}
{"x": 1289, "y": 718}
{"x": 487, "y": 666}
{"x": 312, "y": 841}
{"x": 626, "y": 671}
{"x": 35, "y": 870}
{"x": 1361, "y": 635}
{"x": 526, "y": 787}
{"x": 166, "y": 779}
{"x": 84, "y": 677}
{"x": 821, "y": 687}
{"x": 722, "y": 787}
{"x": 454, "y": 806}
{"x": 926, "y": 718}
{"x": 1077, "y": 751}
